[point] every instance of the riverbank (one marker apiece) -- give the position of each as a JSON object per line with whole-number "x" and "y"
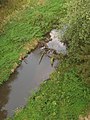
{"x": 9, "y": 9}
{"x": 31, "y": 25}
{"x": 66, "y": 95}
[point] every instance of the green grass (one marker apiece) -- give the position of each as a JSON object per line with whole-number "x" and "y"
{"x": 28, "y": 25}
{"x": 66, "y": 95}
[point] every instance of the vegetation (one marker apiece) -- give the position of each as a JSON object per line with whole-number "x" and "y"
{"x": 64, "y": 97}
{"x": 67, "y": 94}
{"x": 2, "y": 1}
{"x": 77, "y": 35}
{"x": 31, "y": 25}
{"x": 9, "y": 8}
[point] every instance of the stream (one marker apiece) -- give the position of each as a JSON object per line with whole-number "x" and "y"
{"x": 28, "y": 77}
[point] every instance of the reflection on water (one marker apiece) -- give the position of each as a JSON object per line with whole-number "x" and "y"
{"x": 56, "y": 44}
{"x": 4, "y": 95}
{"x": 27, "y": 78}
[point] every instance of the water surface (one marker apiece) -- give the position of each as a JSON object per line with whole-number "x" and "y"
{"x": 27, "y": 78}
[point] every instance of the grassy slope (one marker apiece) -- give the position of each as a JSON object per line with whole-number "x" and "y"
{"x": 32, "y": 23}
{"x": 65, "y": 96}
{"x": 8, "y": 8}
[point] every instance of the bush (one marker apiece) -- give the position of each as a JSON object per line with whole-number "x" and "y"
{"x": 78, "y": 34}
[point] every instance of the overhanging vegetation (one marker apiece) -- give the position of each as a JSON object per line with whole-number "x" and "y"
{"x": 67, "y": 94}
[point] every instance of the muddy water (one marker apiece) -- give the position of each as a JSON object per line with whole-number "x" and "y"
{"x": 27, "y": 79}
